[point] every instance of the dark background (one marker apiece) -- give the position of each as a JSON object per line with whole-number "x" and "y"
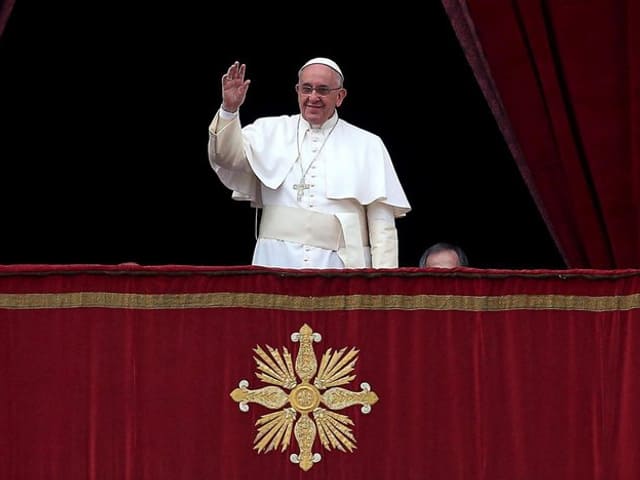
{"x": 104, "y": 118}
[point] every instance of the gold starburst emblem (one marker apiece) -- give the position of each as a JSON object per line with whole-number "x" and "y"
{"x": 304, "y": 398}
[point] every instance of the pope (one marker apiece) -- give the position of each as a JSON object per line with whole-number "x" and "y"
{"x": 328, "y": 192}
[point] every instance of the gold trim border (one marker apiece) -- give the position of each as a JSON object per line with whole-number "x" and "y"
{"x": 265, "y": 301}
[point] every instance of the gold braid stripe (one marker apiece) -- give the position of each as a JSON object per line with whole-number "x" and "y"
{"x": 139, "y": 301}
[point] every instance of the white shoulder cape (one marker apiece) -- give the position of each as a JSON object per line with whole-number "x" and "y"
{"x": 358, "y": 163}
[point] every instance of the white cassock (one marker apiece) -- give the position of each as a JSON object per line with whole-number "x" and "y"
{"x": 329, "y": 195}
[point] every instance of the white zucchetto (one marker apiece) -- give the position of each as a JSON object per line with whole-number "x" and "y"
{"x": 323, "y": 61}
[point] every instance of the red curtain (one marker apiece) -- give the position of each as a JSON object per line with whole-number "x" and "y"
{"x": 126, "y": 372}
{"x": 5, "y": 11}
{"x": 563, "y": 81}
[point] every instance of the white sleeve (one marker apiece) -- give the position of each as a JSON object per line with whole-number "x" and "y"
{"x": 383, "y": 236}
{"x": 226, "y": 147}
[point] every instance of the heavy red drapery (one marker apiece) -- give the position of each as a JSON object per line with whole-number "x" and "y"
{"x": 126, "y": 371}
{"x": 563, "y": 81}
{"x": 5, "y": 12}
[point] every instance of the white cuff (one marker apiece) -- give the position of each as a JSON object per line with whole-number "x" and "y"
{"x": 227, "y": 115}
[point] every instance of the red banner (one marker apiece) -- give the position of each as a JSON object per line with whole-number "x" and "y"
{"x": 126, "y": 372}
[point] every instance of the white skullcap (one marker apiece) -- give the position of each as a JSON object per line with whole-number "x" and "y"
{"x": 323, "y": 61}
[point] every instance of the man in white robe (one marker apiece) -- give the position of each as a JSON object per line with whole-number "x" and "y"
{"x": 328, "y": 190}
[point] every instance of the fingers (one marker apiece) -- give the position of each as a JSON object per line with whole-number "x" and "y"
{"x": 235, "y": 72}
{"x": 234, "y": 87}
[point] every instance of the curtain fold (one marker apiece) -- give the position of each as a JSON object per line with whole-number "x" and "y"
{"x": 562, "y": 81}
{"x": 5, "y": 12}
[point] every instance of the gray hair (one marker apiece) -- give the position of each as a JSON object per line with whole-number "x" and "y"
{"x": 441, "y": 247}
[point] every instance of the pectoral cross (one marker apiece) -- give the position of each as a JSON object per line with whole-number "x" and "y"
{"x": 300, "y": 188}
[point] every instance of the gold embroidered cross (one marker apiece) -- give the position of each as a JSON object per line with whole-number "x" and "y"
{"x": 306, "y": 398}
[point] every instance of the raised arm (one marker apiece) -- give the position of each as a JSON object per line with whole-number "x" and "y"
{"x": 226, "y": 150}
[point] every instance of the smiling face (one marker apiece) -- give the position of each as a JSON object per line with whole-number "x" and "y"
{"x": 315, "y": 108}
